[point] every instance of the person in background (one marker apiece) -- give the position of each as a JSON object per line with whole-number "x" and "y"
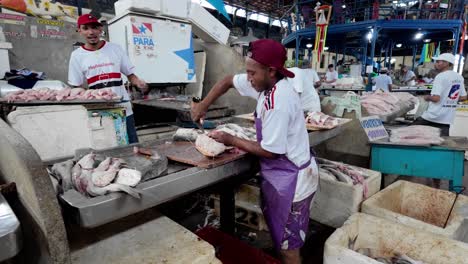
{"x": 407, "y": 76}
{"x": 100, "y": 64}
{"x": 339, "y": 67}
{"x": 304, "y": 83}
{"x": 448, "y": 89}
{"x": 288, "y": 169}
{"x": 383, "y": 81}
{"x": 331, "y": 76}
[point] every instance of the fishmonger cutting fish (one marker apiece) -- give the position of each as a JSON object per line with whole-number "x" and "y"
{"x": 289, "y": 171}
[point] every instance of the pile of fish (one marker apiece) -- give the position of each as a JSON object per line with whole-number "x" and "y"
{"x": 238, "y": 131}
{"x": 385, "y": 103}
{"x": 416, "y": 135}
{"x": 381, "y": 256}
{"x": 92, "y": 177}
{"x": 210, "y": 147}
{"x": 337, "y": 171}
{"x": 66, "y": 94}
{"x": 321, "y": 120}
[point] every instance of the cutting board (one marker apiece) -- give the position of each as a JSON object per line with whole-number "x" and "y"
{"x": 185, "y": 152}
{"x": 309, "y": 127}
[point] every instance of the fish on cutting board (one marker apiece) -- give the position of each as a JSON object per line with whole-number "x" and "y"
{"x": 208, "y": 146}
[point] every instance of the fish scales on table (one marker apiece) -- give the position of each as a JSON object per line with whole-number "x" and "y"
{"x": 344, "y": 173}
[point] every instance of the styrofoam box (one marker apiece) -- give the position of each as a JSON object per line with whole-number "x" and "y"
{"x": 420, "y": 207}
{"x": 53, "y": 131}
{"x": 389, "y": 237}
{"x": 335, "y": 201}
{"x": 175, "y": 8}
{"x": 460, "y": 122}
{"x": 247, "y": 206}
{"x": 206, "y": 26}
{"x": 148, "y": 7}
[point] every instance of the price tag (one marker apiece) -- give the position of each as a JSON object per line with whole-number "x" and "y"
{"x": 374, "y": 128}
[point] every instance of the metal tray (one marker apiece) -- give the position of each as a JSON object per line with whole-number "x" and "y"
{"x": 70, "y": 102}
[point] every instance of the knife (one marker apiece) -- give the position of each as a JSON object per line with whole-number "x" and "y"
{"x": 196, "y": 100}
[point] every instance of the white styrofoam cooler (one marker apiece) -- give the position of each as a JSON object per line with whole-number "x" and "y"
{"x": 206, "y": 26}
{"x": 335, "y": 201}
{"x": 57, "y": 131}
{"x": 421, "y": 207}
{"x": 389, "y": 237}
{"x": 161, "y": 49}
{"x": 170, "y": 8}
{"x": 459, "y": 128}
{"x": 143, "y": 6}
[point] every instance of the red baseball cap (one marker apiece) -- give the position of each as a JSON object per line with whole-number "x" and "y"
{"x": 269, "y": 53}
{"x": 88, "y": 19}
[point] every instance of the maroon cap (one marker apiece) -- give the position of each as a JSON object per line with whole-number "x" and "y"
{"x": 88, "y": 19}
{"x": 269, "y": 53}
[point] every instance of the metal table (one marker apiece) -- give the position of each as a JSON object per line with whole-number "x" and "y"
{"x": 443, "y": 162}
{"x": 340, "y": 90}
{"x": 10, "y": 232}
{"x": 181, "y": 180}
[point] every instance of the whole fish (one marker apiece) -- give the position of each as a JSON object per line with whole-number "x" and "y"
{"x": 82, "y": 179}
{"x": 63, "y": 173}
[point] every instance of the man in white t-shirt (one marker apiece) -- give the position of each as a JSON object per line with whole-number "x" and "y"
{"x": 289, "y": 171}
{"x": 331, "y": 76}
{"x": 100, "y": 64}
{"x": 383, "y": 81}
{"x": 304, "y": 82}
{"x": 408, "y": 77}
{"x": 447, "y": 89}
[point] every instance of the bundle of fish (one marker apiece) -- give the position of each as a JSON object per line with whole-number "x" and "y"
{"x": 67, "y": 94}
{"x": 416, "y": 135}
{"x": 384, "y": 103}
{"x": 382, "y": 256}
{"x": 337, "y": 171}
{"x": 210, "y": 147}
{"x": 92, "y": 177}
{"x": 321, "y": 120}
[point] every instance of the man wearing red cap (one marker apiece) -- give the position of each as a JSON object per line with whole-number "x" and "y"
{"x": 289, "y": 171}
{"x": 100, "y": 64}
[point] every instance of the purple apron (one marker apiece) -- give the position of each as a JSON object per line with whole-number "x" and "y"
{"x": 278, "y": 188}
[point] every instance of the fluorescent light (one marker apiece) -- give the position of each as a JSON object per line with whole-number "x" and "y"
{"x": 429, "y": 2}
{"x": 343, "y": 6}
{"x": 393, "y": 60}
{"x": 369, "y": 36}
{"x": 418, "y": 35}
{"x": 398, "y": 45}
{"x": 395, "y": 2}
{"x": 427, "y": 40}
{"x": 309, "y": 45}
{"x": 466, "y": 37}
{"x": 326, "y": 48}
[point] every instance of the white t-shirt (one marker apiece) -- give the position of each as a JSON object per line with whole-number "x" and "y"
{"x": 449, "y": 85}
{"x": 101, "y": 68}
{"x": 382, "y": 81}
{"x": 303, "y": 82}
{"x": 408, "y": 75}
{"x": 283, "y": 129}
{"x": 331, "y": 75}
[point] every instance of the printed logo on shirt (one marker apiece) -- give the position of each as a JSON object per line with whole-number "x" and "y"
{"x": 454, "y": 92}
{"x": 269, "y": 102}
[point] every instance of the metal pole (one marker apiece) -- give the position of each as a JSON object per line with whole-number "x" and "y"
{"x": 456, "y": 36}
{"x": 414, "y": 57}
{"x": 391, "y": 54}
{"x": 365, "y": 57}
{"x": 296, "y": 63}
{"x": 375, "y": 34}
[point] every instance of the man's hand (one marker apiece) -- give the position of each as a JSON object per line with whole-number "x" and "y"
{"x": 198, "y": 111}
{"x": 142, "y": 85}
{"x": 221, "y": 137}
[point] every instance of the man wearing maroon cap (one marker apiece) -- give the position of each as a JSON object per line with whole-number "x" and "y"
{"x": 100, "y": 64}
{"x": 288, "y": 169}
